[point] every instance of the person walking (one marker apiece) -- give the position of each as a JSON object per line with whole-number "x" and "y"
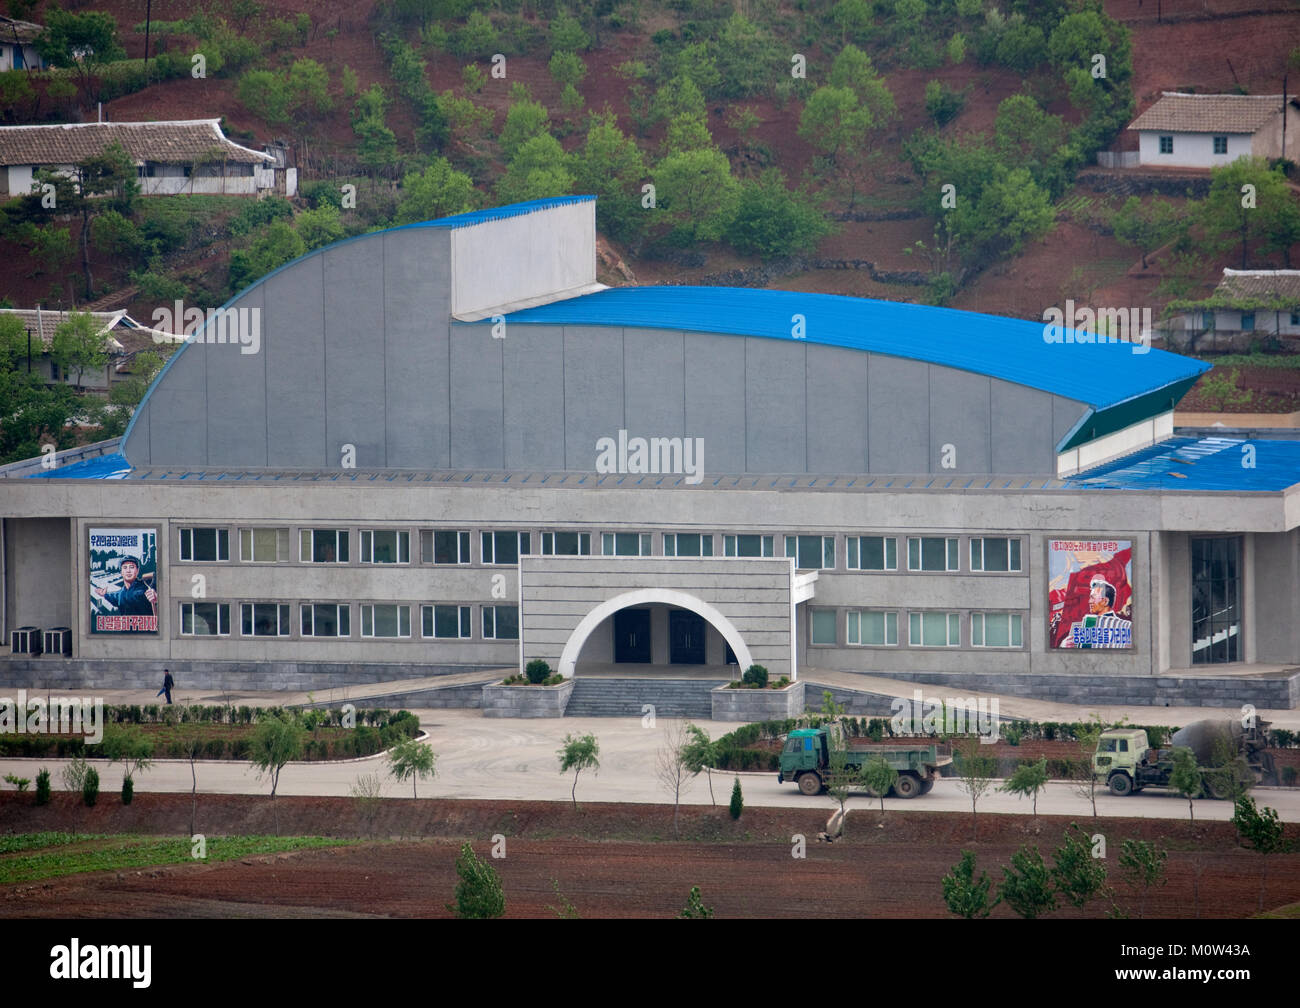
{"x": 168, "y": 683}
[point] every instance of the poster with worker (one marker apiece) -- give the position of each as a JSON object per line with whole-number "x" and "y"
{"x": 1090, "y": 593}
{"x": 123, "y": 580}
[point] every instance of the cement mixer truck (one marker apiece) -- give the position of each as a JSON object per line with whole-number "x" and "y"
{"x": 1224, "y": 751}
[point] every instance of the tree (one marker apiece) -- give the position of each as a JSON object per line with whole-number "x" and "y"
{"x": 376, "y": 143}
{"x": 567, "y": 68}
{"x": 540, "y": 168}
{"x": 1260, "y": 829}
{"x": 319, "y": 227}
{"x": 308, "y": 90}
{"x": 1185, "y": 778}
{"x": 82, "y": 42}
{"x": 479, "y": 895}
{"x": 128, "y": 745}
{"x": 700, "y": 754}
{"x": 1027, "y": 780}
{"x": 1250, "y": 202}
{"x": 772, "y": 221}
{"x": 414, "y": 760}
{"x": 525, "y": 119}
{"x": 975, "y": 774}
{"x": 1147, "y": 226}
{"x": 1088, "y": 735}
{"x": 79, "y": 345}
{"x": 966, "y": 895}
{"x": 578, "y": 754}
{"x": 1143, "y": 863}
{"x": 877, "y": 776}
{"x": 265, "y": 94}
{"x": 672, "y": 764}
{"x": 697, "y": 194}
{"x": 695, "y": 908}
{"x": 278, "y": 245}
{"x": 438, "y": 191}
{"x": 1026, "y": 885}
{"x": 610, "y": 165}
{"x": 277, "y": 740}
{"x": 1077, "y": 875}
{"x": 737, "y": 800}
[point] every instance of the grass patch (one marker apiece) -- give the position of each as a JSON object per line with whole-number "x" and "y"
{"x": 77, "y": 853}
{"x": 1252, "y": 360}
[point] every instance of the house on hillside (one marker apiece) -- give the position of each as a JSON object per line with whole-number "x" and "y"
{"x": 124, "y": 337}
{"x": 1205, "y": 131}
{"x": 1247, "y": 307}
{"x": 18, "y": 45}
{"x": 171, "y": 158}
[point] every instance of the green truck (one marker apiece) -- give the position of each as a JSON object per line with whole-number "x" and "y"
{"x": 1127, "y": 763}
{"x": 806, "y": 759}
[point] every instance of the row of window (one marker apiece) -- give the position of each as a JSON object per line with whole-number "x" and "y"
{"x": 1167, "y": 144}
{"x": 879, "y": 628}
{"x": 393, "y": 546}
{"x": 329, "y": 619}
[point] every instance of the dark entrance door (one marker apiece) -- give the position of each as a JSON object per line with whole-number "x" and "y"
{"x": 632, "y": 635}
{"x": 685, "y": 637}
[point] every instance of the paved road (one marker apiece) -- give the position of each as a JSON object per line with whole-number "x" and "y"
{"x": 506, "y": 759}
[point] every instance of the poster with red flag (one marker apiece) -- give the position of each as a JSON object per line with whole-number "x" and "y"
{"x": 1090, "y": 593}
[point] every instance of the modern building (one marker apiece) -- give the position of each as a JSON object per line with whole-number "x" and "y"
{"x": 1208, "y": 130}
{"x": 171, "y": 158}
{"x": 445, "y": 446}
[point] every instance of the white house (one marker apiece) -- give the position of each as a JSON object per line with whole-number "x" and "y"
{"x": 18, "y": 45}
{"x": 171, "y": 158}
{"x": 1246, "y": 306}
{"x": 123, "y": 338}
{"x": 1205, "y": 131}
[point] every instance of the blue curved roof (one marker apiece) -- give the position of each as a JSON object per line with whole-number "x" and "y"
{"x": 1100, "y": 374}
{"x": 497, "y": 213}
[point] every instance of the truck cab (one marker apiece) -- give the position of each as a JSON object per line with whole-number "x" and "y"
{"x": 1119, "y": 752}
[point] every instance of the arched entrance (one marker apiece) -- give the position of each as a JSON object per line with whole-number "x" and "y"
{"x": 646, "y": 596}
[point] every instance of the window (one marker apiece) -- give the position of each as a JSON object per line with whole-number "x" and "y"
{"x": 1216, "y": 600}
{"x": 381, "y": 546}
{"x": 995, "y": 630}
{"x": 501, "y": 622}
{"x": 933, "y": 629}
{"x": 445, "y": 621}
{"x": 1248, "y": 321}
{"x": 323, "y": 546}
{"x": 747, "y": 545}
{"x": 1220, "y": 145}
{"x": 263, "y": 545}
{"x": 205, "y": 545}
{"x": 811, "y": 552}
{"x": 1166, "y": 145}
{"x": 505, "y": 547}
{"x": 823, "y": 626}
{"x": 687, "y": 544}
{"x": 994, "y": 554}
{"x": 205, "y": 619}
{"x": 872, "y": 553}
{"x": 932, "y": 553}
{"x": 566, "y": 543}
{"x": 264, "y": 619}
{"x": 444, "y": 547}
{"x": 385, "y": 621}
{"x": 326, "y": 620}
{"x": 625, "y": 544}
{"x": 1295, "y": 318}
{"x": 868, "y": 628}
{"x": 1207, "y": 321}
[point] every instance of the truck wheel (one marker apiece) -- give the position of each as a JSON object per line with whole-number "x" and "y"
{"x": 927, "y": 786}
{"x": 1121, "y": 784}
{"x": 1216, "y": 787}
{"x": 908, "y": 785}
{"x": 810, "y": 783}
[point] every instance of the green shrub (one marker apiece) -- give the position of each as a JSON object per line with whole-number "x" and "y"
{"x": 43, "y": 787}
{"x": 538, "y": 671}
{"x": 755, "y": 677}
{"x": 19, "y": 782}
{"x": 128, "y": 791}
{"x": 90, "y": 786}
{"x": 737, "y": 801}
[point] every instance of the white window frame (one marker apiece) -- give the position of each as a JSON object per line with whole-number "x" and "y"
{"x": 979, "y": 629}
{"x": 548, "y": 543}
{"x": 523, "y": 546}
{"x": 464, "y": 621}
{"x": 951, "y": 554}
{"x": 307, "y": 615}
{"x": 462, "y": 547}
{"x": 1014, "y": 552}
{"x": 221, "y": 542}
{"x": 490, "y": 624}
{"x": 402, "y": 542}
{"x": 342, "y": 544}
{"x": 853, "y": 627}
{"x": 952, "y": 629}
{"x": 283, "y": 619}
{"x": 731, "y": 544}
{"x": 403, "y": 620}
{"x": 609, "y": 544}
{"x": 248, "y": 545}
{"x": 223, "y": 617}
{"x": 812, "y": 624}
{"x": 671, "y": 543}
{"x": 853, "y": 552}
{"x": 827, "y": 544}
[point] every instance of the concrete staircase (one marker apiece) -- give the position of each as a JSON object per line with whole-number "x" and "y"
{"x": 594, "y": 697}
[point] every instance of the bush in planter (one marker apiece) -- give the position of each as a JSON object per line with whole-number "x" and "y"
{"x": 755, "y": 677}
{"x": 537, "y": 671}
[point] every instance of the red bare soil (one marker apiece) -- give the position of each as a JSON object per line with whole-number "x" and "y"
{"x": 609, "y": 860}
